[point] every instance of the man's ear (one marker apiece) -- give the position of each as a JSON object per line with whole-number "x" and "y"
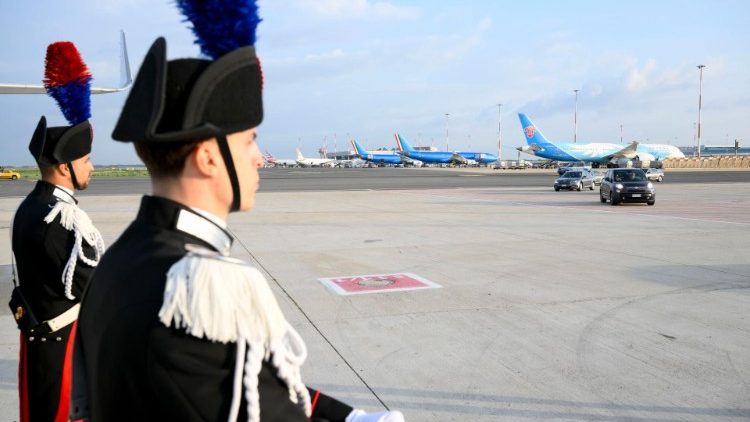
{"x": 205, "y": 158}
{"x": 62, "y": 169}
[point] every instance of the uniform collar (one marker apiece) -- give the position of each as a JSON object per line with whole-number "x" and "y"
{"x": 60, "y": 193}
{"x": 64, "y": 194}
{"x": 195, "y": 224}
{"x": 172, "y": 215}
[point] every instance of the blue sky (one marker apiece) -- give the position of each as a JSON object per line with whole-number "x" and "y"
{"x": 336, "y": 69}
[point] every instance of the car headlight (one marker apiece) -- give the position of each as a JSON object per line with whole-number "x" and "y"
{"x": 650, "y": 185}
{"x": 619, "y": 186}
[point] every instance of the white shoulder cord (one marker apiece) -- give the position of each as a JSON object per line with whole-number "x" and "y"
{"x": 75, "y": 219}
{"x": 12, "y": 253}
{"x": 228, "y": 301}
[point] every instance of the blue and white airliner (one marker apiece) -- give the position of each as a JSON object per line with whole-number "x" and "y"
{"x": 442, "y": 157}
{"x": 601, "y": 153}
{"x": 377, "y": 157}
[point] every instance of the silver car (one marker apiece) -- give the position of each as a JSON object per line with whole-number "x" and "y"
{"x": 574, "y": 180}
{"x": 655, "y": 174}
{"x": 597, "y": 175}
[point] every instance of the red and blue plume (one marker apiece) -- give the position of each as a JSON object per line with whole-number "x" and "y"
{"x": 68, "y": 81}
{"x": 221, "y": 26}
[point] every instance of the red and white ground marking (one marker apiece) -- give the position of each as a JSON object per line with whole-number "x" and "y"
{"x": 377, "y": 283}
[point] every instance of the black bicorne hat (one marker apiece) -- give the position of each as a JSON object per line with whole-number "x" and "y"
{"x": 60, "y": 144}
{"x": 192, "y": 99}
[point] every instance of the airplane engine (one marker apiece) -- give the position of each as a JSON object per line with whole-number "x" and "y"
{"x": 643, "y": 160}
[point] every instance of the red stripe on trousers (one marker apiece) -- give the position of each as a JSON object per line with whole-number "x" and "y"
{"x": 63, "y": 405}
{"x": 314, "y": 401}
{"x": 23, "y": 383}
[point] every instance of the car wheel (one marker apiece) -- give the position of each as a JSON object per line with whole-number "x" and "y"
{"x": 651, "y": 202}
{"x": 580, "y": 186}
{"x": 602, "y": 199}
{"x": 613, "y": 199}
{"x": 660, "y": 179}
{"x": 14, "y": 177}
{"x": 557, "y": 189}
{"x": 592, "y": 186}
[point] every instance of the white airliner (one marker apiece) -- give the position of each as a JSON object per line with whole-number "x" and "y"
{"x": 600, "y": 153}
{"x": 279, "y": 162}
{"x": 125, "y": 79}
{"x": 313, "y": 162}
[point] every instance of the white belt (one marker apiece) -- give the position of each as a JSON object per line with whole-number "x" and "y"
{"x": 63, "y": 319}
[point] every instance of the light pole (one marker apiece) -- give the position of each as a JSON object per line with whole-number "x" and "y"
{"x": 575, "y": 118}
{"x": 499, "y": 133}
{"x": 620, "y": 132}
{"x": 447, "y": 116}
{"x": 694, "y": 139}
{"x": 700, "y": 101}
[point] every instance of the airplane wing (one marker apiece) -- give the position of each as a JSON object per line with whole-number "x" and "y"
{"x": 629, "y": 151}
{"x": 530, "y": 148}
{"x": 125, "y": 78}
{"x": 458, "y": 158}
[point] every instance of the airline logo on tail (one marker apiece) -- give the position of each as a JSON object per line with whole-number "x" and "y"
{"x": 530, "y": 131}
{"x": 398, "y": 142}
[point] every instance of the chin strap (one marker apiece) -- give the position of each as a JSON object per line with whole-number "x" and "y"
{"x": 226, "y": 154}
{"x": 73, "y": 177}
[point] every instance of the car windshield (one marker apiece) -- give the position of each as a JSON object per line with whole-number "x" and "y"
{"x": 630, "y": 176}
{"x": 572, "y": 175}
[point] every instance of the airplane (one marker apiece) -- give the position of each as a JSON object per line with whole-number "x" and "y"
{"x": 377, "y": 157}
{"x": 477, "y": 158}
{"x": 435, "y": 157}
{"x": 279, "y": 162}
{"x": 125, "y": 78}
{"x": 313, "y": 162}
{"x": 596, "y": 153}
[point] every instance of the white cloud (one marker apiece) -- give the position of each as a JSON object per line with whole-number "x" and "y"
{"x": 639, "y": 79}
{"x": 358, "y": 9}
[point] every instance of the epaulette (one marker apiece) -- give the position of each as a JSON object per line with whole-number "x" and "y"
{"x": 227, "y": 300}
{"x": 76, "y": 220}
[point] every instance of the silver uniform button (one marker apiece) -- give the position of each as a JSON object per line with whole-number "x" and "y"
{"x": 31, "y": 338}
{"x": 59, "y": 339}
{"x": 44, "y": 338}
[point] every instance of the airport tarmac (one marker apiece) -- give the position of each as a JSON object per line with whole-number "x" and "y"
{"x": 388, "y": 178}
{"x": 551, "y": 306}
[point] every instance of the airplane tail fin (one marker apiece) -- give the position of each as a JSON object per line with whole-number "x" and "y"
{"x": 530, "y": 132}
{"x": 299, "y": 154}
{"x": 125, "y": 78}
{"x": 357, "y": 147}
{"x": 402, "y": 144}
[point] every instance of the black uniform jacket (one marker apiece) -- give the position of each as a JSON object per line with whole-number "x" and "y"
{"x": 41, "y": 251}
{"x": 138, "y": 369}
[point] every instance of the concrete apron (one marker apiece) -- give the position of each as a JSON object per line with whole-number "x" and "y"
{"x": 552, "y": 306}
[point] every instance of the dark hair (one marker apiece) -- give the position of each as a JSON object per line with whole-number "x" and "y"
{"x": 164, "y": 160}
{"x": 47, "y": 171}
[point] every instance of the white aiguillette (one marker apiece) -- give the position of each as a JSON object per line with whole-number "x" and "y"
{"x": 226, "y": 300}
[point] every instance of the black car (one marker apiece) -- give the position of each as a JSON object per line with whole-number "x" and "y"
{"x": 627, "y": 185}
{"x": 574, "y": 180}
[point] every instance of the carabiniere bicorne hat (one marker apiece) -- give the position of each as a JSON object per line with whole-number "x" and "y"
{"x": 66, "y": 79}
{"x": 192, "y": 99}
{"x": 60, "y": 144}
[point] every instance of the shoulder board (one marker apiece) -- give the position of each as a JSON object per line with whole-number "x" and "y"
{"x": 222, "y": 299}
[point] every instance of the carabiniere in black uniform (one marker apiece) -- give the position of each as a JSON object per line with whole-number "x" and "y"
{"x": 171, "y": 328}
{"x": 55, "y": 248}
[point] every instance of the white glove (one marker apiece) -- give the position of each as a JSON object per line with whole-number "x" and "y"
{"x": 358, "y": 415}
